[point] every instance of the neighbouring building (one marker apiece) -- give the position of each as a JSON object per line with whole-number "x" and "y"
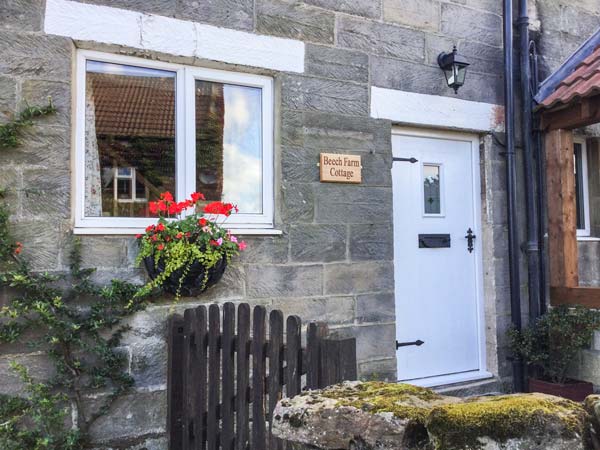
{"x": 237, "y": 99}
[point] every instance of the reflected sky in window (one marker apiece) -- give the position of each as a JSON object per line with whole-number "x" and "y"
{"x": 242, "y": 142}
{"x": 122, "y": 69}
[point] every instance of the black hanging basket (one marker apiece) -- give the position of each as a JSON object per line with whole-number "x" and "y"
{"x": 193, "y": 283}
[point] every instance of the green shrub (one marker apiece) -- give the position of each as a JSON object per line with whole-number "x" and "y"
{"x": 552, "y": 342}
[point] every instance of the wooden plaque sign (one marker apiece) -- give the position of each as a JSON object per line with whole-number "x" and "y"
{"x": 336, "y": 168}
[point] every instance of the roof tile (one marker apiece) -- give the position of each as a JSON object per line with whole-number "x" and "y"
{"x": 583, "y": 82}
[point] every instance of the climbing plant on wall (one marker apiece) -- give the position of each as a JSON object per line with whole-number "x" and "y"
{"x": 74, "y": 323}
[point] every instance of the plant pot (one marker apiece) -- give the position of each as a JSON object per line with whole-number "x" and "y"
{"x": 193, "y": 283}
{"x": 573, "y": 389}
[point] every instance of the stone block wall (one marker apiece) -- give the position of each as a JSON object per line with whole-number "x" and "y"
{"x": 334, "y": 260}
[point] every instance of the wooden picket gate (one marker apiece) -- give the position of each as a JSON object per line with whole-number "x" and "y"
{"x": 223, "y": 382}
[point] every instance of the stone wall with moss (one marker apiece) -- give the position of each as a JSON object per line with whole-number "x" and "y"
{"x": 386, "y": 416}
{"x": 334, "y": 258}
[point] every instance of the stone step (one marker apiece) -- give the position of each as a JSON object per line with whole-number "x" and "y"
{"x": 490, "y": 386}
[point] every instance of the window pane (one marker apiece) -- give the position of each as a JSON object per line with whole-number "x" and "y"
{"x": 129, "y": 138}
{"x": 431, "y": 189}
{"x": 579, "y": 202}
{"x": 229, "y": 144}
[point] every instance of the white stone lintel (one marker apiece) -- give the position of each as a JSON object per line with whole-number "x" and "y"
{"x": 435, "y": 111}
{"x": 152, "y": 32}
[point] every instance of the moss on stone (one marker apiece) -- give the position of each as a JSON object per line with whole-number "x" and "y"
{"x": 460, "y": 425}
{"x": 402, "y": 400}
{"x": 455, "y": 424}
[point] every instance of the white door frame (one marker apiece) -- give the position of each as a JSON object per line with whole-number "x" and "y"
{"x": 482, "y": 373}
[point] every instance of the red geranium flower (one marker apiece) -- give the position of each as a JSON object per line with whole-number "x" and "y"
{"x": 160, "y": 246}
{"x": 179, "y": 235}
{"x": 202, "y": 222}
{"x": 219, "y": 208}
{"x": 160, "y": 227}
{"x": 18, "y": 248}
{"x": 197, "y": 196}
{"x": 137, "y": 236}
{"x": 149, "y": 228}
{"x": 167, "y": 196}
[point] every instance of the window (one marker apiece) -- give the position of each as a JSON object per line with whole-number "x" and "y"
{"x": 145, "y": 127}
{"x": 581, "y": 188}
{"x": 432, "y": 189}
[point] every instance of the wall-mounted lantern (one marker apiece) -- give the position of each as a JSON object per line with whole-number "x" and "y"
{"x": 454, "y": 66}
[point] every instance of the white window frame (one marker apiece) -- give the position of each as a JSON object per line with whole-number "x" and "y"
{"x": 584, "y": 232}
{"x": 185, "y": 157}
{"x": 240, "y": 220}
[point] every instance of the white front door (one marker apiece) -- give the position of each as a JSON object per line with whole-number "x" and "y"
{"x": 437, "y": 273}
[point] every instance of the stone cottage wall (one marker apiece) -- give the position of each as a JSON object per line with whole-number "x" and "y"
{"x": 334, "y": 260}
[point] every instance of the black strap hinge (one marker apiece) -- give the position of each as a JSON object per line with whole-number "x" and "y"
{"x": 410, "y": 160}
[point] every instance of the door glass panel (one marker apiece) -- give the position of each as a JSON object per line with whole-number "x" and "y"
{"x": 431, "y": 189}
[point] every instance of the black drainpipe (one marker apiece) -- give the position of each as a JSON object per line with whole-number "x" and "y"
{"x": 511, "y": 188}
{"x": 531, "y": 246}
{"x": 541, "y": 186}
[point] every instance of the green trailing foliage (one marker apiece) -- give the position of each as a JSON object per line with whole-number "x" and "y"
{"x": 79, "y": 326}
{"x": 552, "y": 342}
{"x": 11, "y": 131}
{"x": 36, "y": 422}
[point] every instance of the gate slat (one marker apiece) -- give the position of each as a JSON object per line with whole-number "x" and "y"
{"x": 330, "y": 362}
{"x": 315, "y": 333}
{"x": 189, "y": 406}
{"x": 293, "y": 356}
{"x": 259, "y": 372}
{"x": 243, "y": 383}
{"x": 347, "y": 360}
{"x": 214, "y": 366}
{"x": 227, "y": 433}
{"x": 275, "y": 367}
{"x": 175, "y": 381}
{"x": 201, "y": 331}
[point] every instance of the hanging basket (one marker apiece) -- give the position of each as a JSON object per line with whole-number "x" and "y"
{"x": 194, "y": 283}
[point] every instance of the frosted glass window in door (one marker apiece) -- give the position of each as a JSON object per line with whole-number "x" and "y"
{"x": 432, "y": 189}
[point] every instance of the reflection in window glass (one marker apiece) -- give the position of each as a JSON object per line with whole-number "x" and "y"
{"x": 228, "y": 144}
{"x": 431, "y": 189}
{"x": 129, "y": 138}
{"x": 579, "y": 203}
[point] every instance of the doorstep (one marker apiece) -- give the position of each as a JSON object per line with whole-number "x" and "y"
{"x": 489, "y": 386}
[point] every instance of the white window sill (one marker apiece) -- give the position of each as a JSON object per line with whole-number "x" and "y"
{"x": 588, "y": 239}
{"x": 134, "y": 231}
